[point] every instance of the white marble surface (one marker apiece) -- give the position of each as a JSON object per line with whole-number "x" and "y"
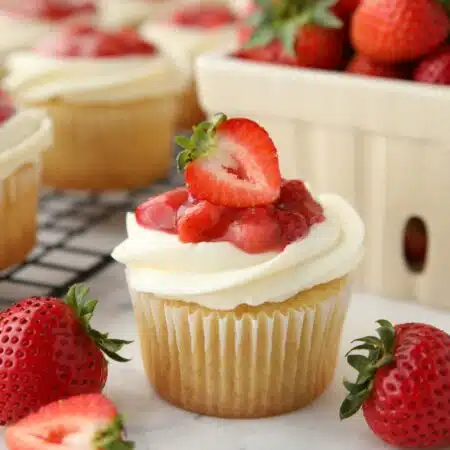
{"x": 155, "y": 425}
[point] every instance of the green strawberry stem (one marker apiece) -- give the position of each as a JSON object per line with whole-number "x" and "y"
{"x": 201, "y": 143}
{"x": 281, "y": 19}
{"x": 380, "y": 353}
{"x": 83, "y": 308}
{"x": 111, "y": 437}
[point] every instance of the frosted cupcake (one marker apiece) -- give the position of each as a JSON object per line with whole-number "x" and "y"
{"x": 23, "y": 137}
{"x": 193, "y": 29}
{"x": 23, "y": 22}
{"x": 113, "y": 100}
{"x": 240, "y": 281}
{"x": 132, "y": 13}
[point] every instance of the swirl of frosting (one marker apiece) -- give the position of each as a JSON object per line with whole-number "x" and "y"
{"x": 22, "y": 138}
{"x": 218, "y": 275}
{"x": 34, "y": 78}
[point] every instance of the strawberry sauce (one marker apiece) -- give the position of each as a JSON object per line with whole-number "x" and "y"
{"x": 259, "y": 229}
{"x": 86, "y": 41}
{"x": 50, "y": 10}
{"x": 204, "y": 15}
{"x": 7, "y": 109}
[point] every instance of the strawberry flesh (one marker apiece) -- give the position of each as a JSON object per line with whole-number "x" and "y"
{"x": 259, "y": 229}
{"x": 83, "y": 421}
{"x": 204, "y": 15}
{"x": 86, "y": 41}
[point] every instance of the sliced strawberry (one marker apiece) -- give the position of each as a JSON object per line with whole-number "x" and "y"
{"x": 293, "y": 226}
{"x": 160, "y": 213}
{"x": 84, "y": 422}
{"x": 200, "y": 222}
{"x": 256, "y": 230}
{"x": 230, "y": 162}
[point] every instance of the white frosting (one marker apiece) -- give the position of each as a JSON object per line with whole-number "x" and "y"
{"x": 22, "y": 34}
{"x": 218, "y": 275}
{"x": 118, "y": 13}
{"x": 34, "y": 78}
{"x": 22, "y": 139}
{"x": 184, "y": 44}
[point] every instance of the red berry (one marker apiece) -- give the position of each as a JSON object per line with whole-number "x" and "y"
{"x": 361, "y": 65}
{"x": 160, "y": 213}
{"x": 49, "y": 351}
{"x": 394, "y": 31}
{"x": 293, "y": 226}
{"x": 204, "y": 15}
{"x": 255, "y": 231}
{"x": 231, "y": 162}
{"x": 435, "y": 68}
{"x": 85, "y": 421}
{"x": 403, "y": 385}
{"x": 200, "y": 222}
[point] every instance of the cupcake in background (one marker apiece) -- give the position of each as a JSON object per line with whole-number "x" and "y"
{"x": 132, "y": 13}
{"x": 24, "y": 136}
{"x": 193, "y": 28}
{"x": 24, "y": 22}
{"x": 240, "y": 281}
{"x": 113, "y": 100}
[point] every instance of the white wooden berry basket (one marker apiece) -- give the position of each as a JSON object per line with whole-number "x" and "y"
{"x": 382, "y": 144}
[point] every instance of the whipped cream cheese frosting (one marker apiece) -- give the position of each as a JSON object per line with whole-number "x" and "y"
{"x": 21, "y": 34}
{"x": 218, "y": 275}
{"x": 34, "y": 78}
{"x": 184, "y": 44}
{"x": 117, "y": 13}
{"x": 22, "y": 138}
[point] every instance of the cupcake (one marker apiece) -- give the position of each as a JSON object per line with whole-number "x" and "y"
{"x": 240, "y": 280}
{"x": 113, "y": 100}
{"x": 23, "y": 22}
{"x": 193, "y": 29}
{"x": 132, "y": 13}
{"x": 23, "y": 136}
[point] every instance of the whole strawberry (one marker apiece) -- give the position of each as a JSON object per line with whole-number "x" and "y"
{"x": 49, "y": 351}
{"x": 361, "y": 65}
{"x": 435, "y": 69}
{"x": 88, "y": 421}
{"x": 303, "y": 34}
{"x": 394, "y": 31}
{"x": 403, "y": 385}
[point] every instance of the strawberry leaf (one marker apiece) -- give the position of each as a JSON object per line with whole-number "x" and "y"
{"x": 111, "y": 437}
{"x": 201, "y": 142}
{"x": 380, "y": 353}
{"x": 83, "y": 309}
{"x": 262, "y": 35}
{"x": 323, "y": 16}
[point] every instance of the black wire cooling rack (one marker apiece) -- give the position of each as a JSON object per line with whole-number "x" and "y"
{"x": 74, "y": 239}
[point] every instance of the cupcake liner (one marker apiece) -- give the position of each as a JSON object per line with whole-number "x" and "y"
{"x": 110, "y": 146}
{"x": 248, "y": 362}
{"x": 18, "y": 209}
{"x": 190, "y": 112}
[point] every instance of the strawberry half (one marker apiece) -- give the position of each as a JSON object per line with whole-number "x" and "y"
{"x": 82, "y": 422}
{"x": 230, "y": 162}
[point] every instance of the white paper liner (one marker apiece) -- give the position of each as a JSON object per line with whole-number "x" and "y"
{"x": 256, "y": 365}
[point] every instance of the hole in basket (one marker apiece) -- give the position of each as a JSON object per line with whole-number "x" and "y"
{"x": 415, "y": 244}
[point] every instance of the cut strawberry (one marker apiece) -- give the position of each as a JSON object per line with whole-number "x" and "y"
{"x": 161, "y": 212}
{"x": 256, "y": 230}
{"x": 82, "y": 422}
{"x": 230, "y": 162}
{"x": 293, "y": 226}
{"x": 200, "y": 222}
